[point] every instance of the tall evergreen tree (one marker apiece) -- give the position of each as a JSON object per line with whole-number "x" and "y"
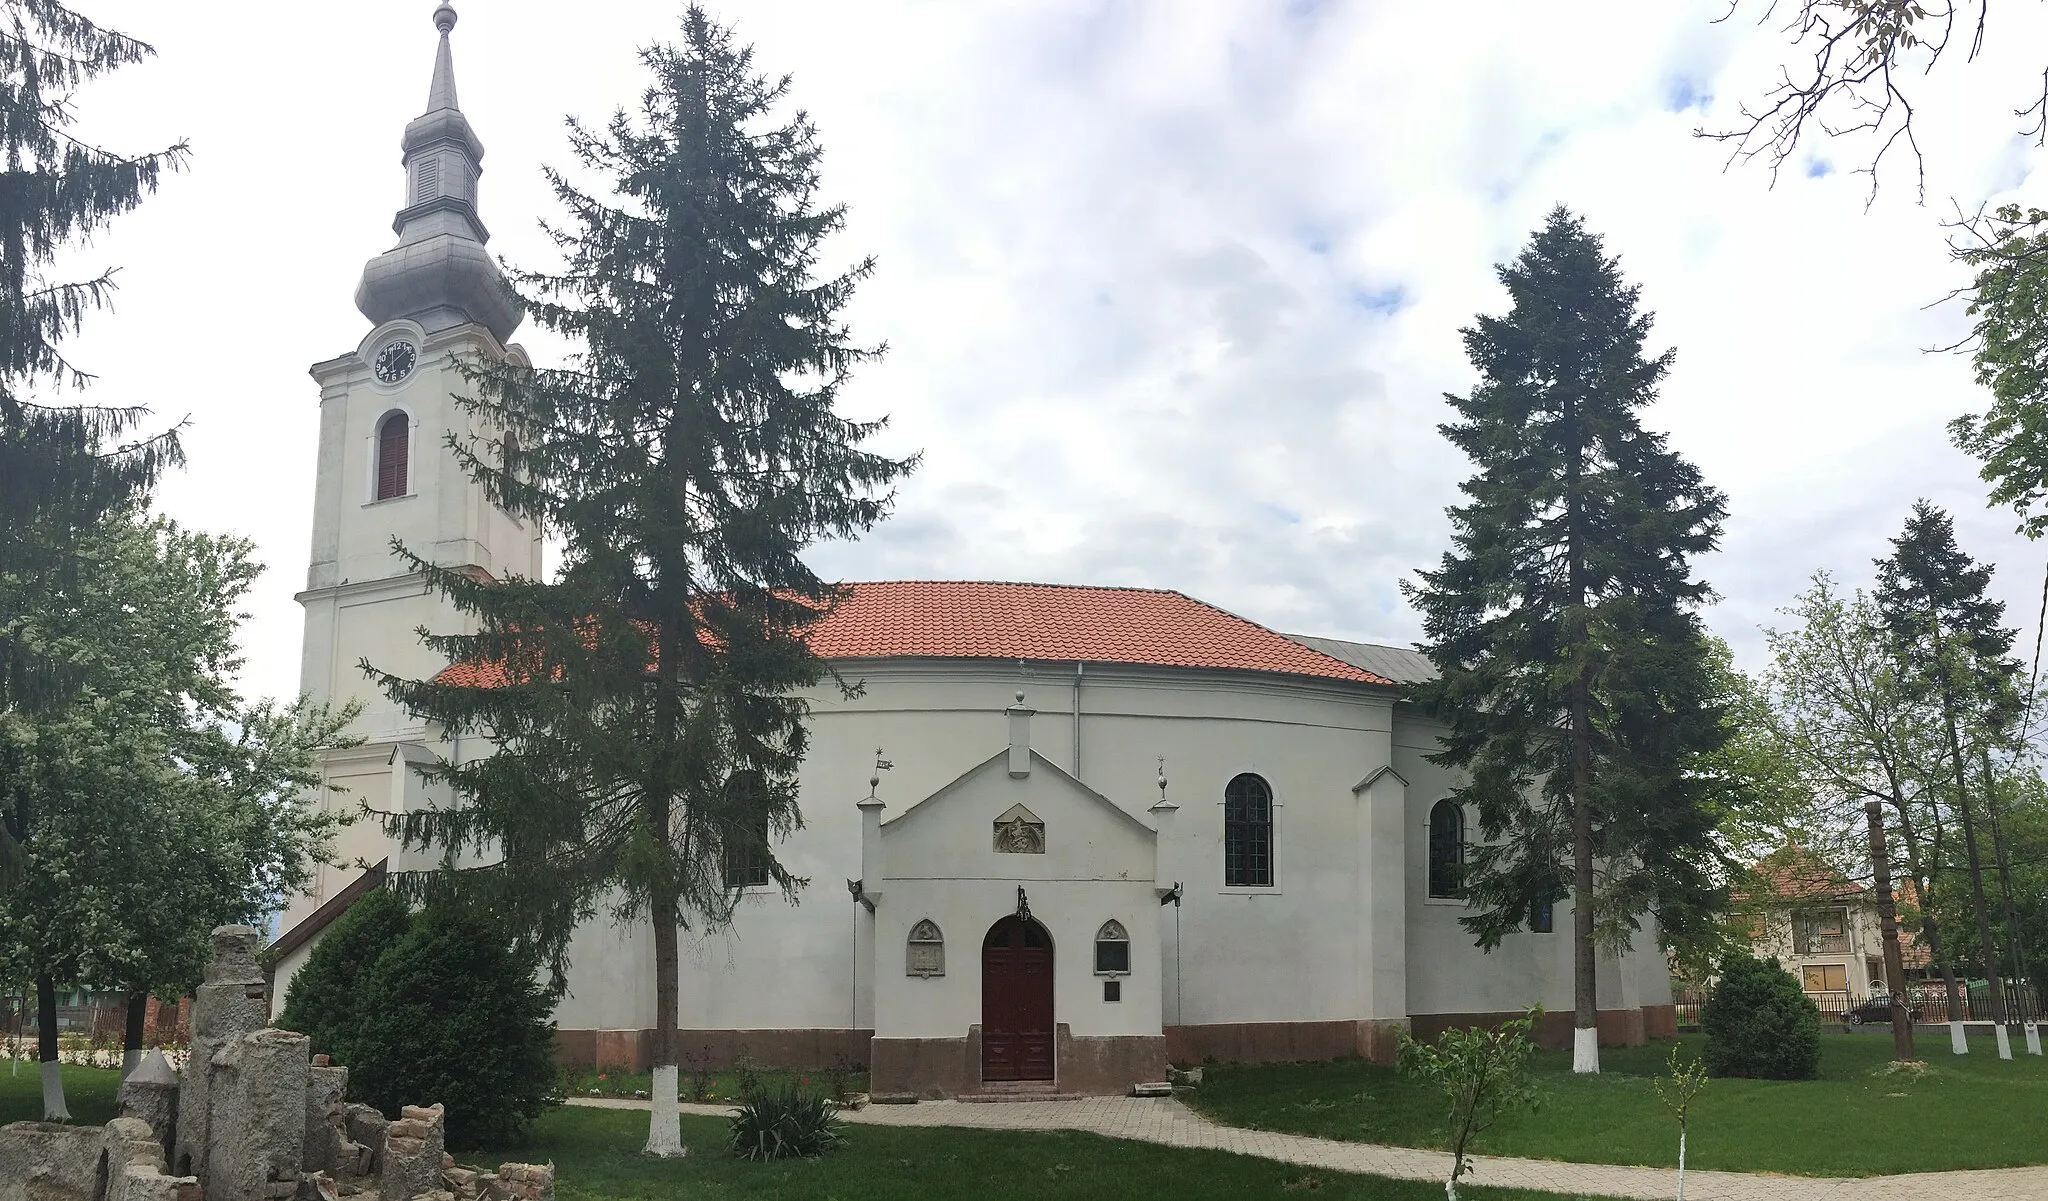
{"x": 58, "y": 470}
{"x": 1578, "y": 686}
{"x": 647, "y": 702}
{"x": 1951, "y": 649}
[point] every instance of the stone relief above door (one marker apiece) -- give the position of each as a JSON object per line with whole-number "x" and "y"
{"x": 1019, "y": 832}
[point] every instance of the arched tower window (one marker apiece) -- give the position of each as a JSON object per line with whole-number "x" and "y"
{"x": 1446, "y": 849}
{"x": 394, "y": 446}
{"x": 1247, "y": 833}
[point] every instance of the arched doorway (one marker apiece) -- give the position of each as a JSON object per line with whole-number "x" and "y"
{"x": 1016, "y": 1001}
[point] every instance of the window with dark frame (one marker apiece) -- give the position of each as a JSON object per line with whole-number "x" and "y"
{"x": 394, "y": 438}
{"x": 1447, "y": 850}
{"x": 1247, "y": 833}
{"x": 1112, "y": 949}
{"x": 746, "y": 849}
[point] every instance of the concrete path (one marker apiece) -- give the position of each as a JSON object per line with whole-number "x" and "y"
{"x": 1169, "y": 1123}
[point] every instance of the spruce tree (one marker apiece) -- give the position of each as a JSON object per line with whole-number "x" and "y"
{"x": 59, "y": 472}
{"x": 1577, "y": 684}
{"x": 1951, "y": 649}
{"x": 647, "y": 701}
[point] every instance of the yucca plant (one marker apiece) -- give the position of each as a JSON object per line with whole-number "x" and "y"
{"x": 784, "y": 1123}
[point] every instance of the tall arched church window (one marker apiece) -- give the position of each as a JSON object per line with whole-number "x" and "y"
{"x": 746, "y": 838}
{"x": 926, "y": 954}
{"x": 1247, "y": 833}
{"x": 394, "y": 444}
{"x": 1446, "y": 849}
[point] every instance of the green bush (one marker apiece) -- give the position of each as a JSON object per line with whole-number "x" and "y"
{"x": 449, "y": 1014}
{"x": 321, "y": 1001}
{"x": 783, "y": 1123}
{"x": 1759, "y": 1024}
{"x": 426, "y": 1008}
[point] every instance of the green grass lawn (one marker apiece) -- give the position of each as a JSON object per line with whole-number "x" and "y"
{"x": 1971, "y": 1111}
{"x": 88, "y": 1093}
{"x": 596, "y": 1158}
{"x": 595, "y": 1152}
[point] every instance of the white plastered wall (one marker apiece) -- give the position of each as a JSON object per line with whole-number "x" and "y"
{"x": 938, "y": 862}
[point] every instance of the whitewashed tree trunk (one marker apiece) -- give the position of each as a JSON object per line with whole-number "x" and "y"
{"x": 665, "y": 1127}
{"x": 1586, "y": 1050}
{"x": 1957, "y": 1041}
{"x": 2033, "y": 1031}
{"x": 1681, "y": 1161}
{"x": 53, "y": 1092}
{"x": 2004, "y": 1041}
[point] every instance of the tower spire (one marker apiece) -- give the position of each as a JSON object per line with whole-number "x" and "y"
{"x": 439, "y": 273}
{"x": 442, "y": 93}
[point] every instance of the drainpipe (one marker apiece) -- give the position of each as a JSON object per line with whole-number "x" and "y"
{"x": 1078, "y": 669}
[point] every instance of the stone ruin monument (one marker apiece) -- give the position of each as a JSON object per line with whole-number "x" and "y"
{"x": 253, "y": 1117}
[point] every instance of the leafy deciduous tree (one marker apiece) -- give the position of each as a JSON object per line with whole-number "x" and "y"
{"x": 152, "y": 804}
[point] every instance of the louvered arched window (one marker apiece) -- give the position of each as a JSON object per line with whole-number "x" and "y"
{"x": 394, "y": 446}
{"x": 1247, "y": 833}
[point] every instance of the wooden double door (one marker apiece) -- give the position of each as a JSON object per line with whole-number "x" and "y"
{"x": 1016, "y": 1001}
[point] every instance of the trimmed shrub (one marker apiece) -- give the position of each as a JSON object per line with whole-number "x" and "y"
{"x": 1759, "y": 1024}
{"x": 783, "y": 1123}
{"x": 321, "y": 1001}
{"x": 449, "y": 1014}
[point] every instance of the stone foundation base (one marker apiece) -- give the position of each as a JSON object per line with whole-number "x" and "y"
{"x": 1283, "y": 1042}
{"x": 1618, "y": 1027}
{"x": 1086, "y": 1065}
{"x": 632, "y": 1050}
{"x": 1098, "y": 1065}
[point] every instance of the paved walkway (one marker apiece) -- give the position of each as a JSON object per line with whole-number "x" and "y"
{"x": 1172, "y": 1124}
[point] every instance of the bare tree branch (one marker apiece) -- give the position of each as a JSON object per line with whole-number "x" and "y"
{"x": 1854, "y": 83}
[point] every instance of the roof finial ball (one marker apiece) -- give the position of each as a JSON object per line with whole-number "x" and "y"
{"x": 444, "y": 18}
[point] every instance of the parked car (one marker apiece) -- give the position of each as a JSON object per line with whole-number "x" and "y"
{"x": 1877, "y": 1011}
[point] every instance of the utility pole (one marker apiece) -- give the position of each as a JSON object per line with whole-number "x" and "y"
{"x": 1888, "y": 923}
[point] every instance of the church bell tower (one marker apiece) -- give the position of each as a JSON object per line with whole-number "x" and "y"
{"x": 385, "y": 472}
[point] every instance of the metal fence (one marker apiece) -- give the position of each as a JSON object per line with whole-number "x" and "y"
{"x": 1929, "y": 1003}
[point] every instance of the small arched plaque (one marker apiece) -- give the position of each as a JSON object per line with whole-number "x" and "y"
{"x": 926, "y": 956}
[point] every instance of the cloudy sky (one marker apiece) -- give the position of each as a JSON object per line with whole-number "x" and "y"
{"x": 1172, "y": 290}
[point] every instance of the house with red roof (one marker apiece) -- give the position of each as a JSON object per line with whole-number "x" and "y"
{"x": 1824, "y": 928}
{"x": 1062, "y": 835}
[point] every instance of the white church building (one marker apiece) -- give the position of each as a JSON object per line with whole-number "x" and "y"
{"x": 1116, "y": 826}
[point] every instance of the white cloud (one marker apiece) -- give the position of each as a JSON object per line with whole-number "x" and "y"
{"x": 1172, "y": 290}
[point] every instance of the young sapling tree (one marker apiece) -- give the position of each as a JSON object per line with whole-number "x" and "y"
{"x": 1677, "y": 1092}
{"x": 1482, "y": 1073}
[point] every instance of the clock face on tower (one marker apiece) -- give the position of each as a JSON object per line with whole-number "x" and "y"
{"x": 396, "y": 361}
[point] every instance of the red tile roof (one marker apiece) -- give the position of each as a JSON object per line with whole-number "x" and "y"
{"x": 967, "y": 619}
{"x": 1796, "y": 874}
{"x": 975, "y": 620}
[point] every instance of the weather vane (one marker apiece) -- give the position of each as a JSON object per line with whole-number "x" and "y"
{"x": 881, "y": 765}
